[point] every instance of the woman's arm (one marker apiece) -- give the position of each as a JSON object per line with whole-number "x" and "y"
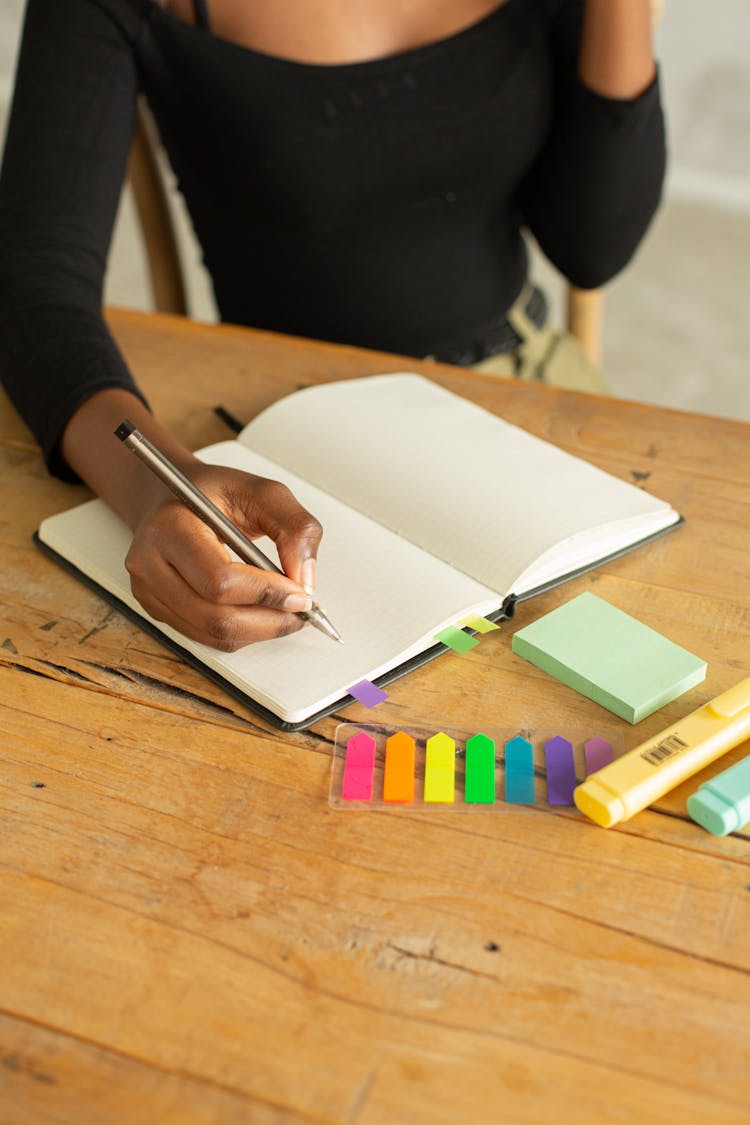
{"x": 616, "y": 57}
{"x": 67, "y": 144}
{"x": 68, "y": 141}
{"x": 597, "y": 183}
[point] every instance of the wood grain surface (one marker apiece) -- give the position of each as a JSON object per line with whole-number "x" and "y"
{"x": 190, "y": 934}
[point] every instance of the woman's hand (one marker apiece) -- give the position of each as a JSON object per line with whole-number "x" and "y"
{"x": 179, "y": 571}
{"x": 182, "y": 575}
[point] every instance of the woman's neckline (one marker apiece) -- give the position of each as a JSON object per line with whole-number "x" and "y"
{"x": 414, "y": 55}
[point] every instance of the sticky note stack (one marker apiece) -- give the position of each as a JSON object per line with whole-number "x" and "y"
{"x": 609, "y": 657}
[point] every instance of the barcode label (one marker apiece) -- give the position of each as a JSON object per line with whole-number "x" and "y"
{"x": 664, "y": 749}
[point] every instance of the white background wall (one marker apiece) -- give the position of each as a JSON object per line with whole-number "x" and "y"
{"x": 704, "y": 46}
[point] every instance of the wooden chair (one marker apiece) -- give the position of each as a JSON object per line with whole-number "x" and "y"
{"x": 585, "y": 319}
{"x": 157, "y": 224}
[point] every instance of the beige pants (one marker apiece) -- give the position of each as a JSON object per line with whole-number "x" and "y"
{"x": 544, "y": 355}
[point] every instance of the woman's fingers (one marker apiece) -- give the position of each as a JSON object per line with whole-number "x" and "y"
{"x": 184, "y": 576}
{"x": 235, "y": 606}
{"x": 271, "y": 509}
{"x": 227, "y": 628}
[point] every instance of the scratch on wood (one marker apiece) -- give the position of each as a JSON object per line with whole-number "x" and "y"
{"x": 362, "y": 1094}
{"x": 58, "y": 668}
{"x": 392, "y": 956}
{"x": 98, "y": 628}
{"x": 130, "y": 675}
{"x": 17, "y": 1065}
{"x": 308, "y": 739}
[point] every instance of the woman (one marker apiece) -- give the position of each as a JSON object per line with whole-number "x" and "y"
{"x": 354, "y": 172}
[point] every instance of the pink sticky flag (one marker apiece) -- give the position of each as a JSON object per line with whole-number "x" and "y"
{"x": 358, "y": 768}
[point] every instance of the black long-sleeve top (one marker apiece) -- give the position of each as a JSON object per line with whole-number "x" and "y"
{"x": 378, "y": 203}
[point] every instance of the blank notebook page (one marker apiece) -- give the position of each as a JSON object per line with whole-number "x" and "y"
{"x": 483, "y": 495}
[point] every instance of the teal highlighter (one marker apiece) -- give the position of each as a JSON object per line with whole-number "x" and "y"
{"x": 722, "y": 805}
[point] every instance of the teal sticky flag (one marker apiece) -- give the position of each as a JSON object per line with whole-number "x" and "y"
{"x": 519, "y": 772}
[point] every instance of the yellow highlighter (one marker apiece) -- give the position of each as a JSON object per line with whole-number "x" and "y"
{"x": 640, "y": 777}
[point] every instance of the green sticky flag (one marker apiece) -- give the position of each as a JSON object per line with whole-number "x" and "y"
{"x": 479, "y": 786}
{"x": 456, "y": 639}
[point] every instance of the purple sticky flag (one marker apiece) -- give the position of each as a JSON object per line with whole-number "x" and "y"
{"x": 359, "y": 764}
{"x": 597, "y": 753}
{"x": 367, "y": 692}
{"x": 561, "y": 774}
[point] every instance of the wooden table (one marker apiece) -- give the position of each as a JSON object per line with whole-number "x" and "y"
{"x": 189, "y": 934}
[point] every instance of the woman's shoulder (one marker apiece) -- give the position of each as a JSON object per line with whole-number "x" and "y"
{"x": 85, "y": 18}
{"x": 126, "y": 14}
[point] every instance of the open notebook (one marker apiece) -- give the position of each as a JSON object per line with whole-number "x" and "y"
{"x": 432, "y": 509}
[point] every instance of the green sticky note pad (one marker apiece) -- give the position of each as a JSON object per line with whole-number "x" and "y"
{"x": 609, "y": 657}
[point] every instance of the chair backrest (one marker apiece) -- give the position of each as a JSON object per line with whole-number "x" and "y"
{"x": 168, "y": 287}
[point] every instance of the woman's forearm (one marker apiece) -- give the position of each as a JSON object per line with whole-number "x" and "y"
{"x": 616, "y": 56}
{"x": 91, "y": 449}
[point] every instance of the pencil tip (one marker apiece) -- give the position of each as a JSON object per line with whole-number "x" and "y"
{"x": 317, "y": 618}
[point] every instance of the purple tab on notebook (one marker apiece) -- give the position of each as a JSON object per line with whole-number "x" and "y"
{"x": 358, "y": 768}
{"x": 367, "y": 692}
{"x": 561, "y": 774}
{"x": 597, "y": 753}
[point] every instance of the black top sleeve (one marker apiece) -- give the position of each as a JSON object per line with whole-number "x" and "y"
{"x": 66, "y": 150}
{"x": 598, "y": 181}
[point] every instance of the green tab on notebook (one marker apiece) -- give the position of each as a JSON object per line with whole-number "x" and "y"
{"x": 609, "y": 657}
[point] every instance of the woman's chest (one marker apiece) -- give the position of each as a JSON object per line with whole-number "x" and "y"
{"x": 457, "y": 122}
{"x": 333, "y": 31}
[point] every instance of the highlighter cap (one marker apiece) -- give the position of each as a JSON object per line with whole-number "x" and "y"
{"x": 599, "y": 803}
{"x": 713, "y": 812}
